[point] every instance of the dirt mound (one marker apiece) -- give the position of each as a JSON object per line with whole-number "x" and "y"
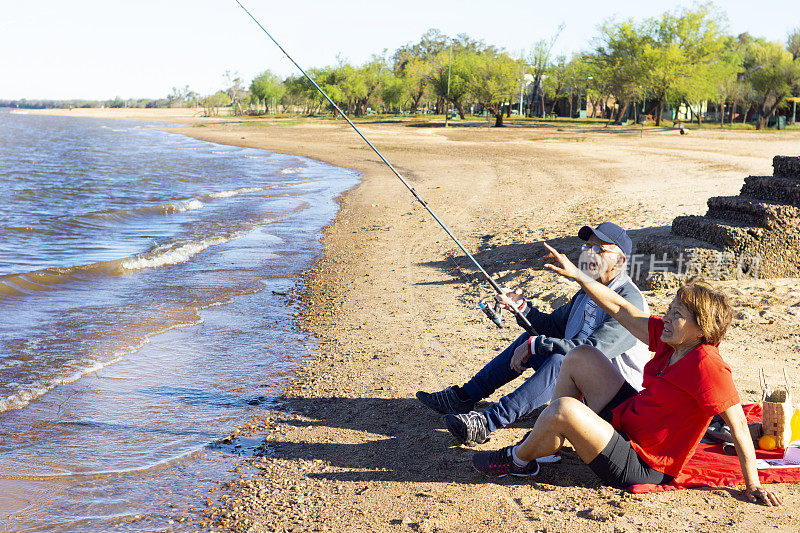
{"x": 753, "y": 235}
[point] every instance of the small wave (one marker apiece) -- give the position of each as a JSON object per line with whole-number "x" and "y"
{"x": 233, "y": 192}
{"x": 20, "y": 284}
{"x": 180, "y": 206}
{"x": 255, "y": 156}
{"x": 291, "y": 170}
{"x": 172, "y": 254}
{"x": 218, "y": 152}
{"x": 189, "y": 205}
{"x": 50, "y": 278}
{"x": 47, "y": 279}
{"x": 170, "y": 208}
{"x": 116, "y": 215}
{"x": 37, "y": 389}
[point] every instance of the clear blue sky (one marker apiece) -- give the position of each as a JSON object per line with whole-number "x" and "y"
{"x": 99, "y": 49}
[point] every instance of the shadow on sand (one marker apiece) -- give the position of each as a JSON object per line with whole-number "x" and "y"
{"x": 510, "y": 259}
{"x": 406, "y": 442}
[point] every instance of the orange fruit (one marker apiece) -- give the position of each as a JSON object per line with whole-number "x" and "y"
{"x": 767, "y": 442}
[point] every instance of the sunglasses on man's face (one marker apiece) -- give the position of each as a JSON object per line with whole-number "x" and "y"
{"x": 596, "y": 248}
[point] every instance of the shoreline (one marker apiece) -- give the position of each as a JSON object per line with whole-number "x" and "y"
{"x": 392, "y": 314}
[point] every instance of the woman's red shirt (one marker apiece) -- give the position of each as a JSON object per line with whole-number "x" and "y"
{"x": 667, "y": 419}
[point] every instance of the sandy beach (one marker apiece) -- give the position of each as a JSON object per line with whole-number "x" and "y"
{"x": 393, "y": 305}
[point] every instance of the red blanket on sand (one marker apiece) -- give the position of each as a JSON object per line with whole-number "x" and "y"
{"x": 709, "y": 467}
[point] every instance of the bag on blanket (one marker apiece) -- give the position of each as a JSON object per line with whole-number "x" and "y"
{"x": 719, "y": 432}
{"x": 777, "y": 410}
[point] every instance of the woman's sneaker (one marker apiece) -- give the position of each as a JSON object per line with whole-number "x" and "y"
{"x": 500, "y": 463}
{"x": 555, "y": 458}
{"x": 445, "y": 401}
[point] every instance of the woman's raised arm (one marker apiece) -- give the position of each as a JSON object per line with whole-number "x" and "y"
{"x": 632, "y": 318}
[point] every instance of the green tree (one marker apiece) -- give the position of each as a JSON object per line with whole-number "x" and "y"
{"x": 191, "y": 98}
{"x": 687, "y": 62}
{"x": 369, "y": 81}
{"x": 335, "y": 81}
{"x": 431, "y": 43}
{"x": 589, "y": 82}
{"x": 213, "y": 102}
{"x": 538, "y": 62}
{"x": 793, "y": 43}
{"x": 424, "y": 66}
{"x": 556, "y": 84}
{"x": 414, "y": 75}
{"x": 728, "y": 88}
{"x": 460, "y": 71}
{"x": 352, "y": 88}
{"x": 265, "y": 88}
{"x": 413, "y": 64}
{"x": 493, "y": 81}
{"x": 618, "y": 60}
{"x": 394, "y": 93}
{"x": 300, "y": 91}
{"x": 772, "y": 73}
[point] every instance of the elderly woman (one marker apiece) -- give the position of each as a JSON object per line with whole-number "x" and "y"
{"x": 628, "y": 437}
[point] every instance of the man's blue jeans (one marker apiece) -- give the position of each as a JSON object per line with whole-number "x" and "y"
{"x": 536, "y": 391}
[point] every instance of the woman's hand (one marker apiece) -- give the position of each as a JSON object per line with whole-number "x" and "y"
{"x": 759, "y": 494}
{"x": 734, "y": 417}
{"x": 560, "y": 264}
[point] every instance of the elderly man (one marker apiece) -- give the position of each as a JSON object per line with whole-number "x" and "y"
{"x": 578, "y": 322}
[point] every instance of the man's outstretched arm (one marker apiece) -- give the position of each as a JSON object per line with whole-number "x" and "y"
{"x": 633, "y": 319}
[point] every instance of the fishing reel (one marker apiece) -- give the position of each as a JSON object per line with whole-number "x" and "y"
{"x": 493, "y": 312}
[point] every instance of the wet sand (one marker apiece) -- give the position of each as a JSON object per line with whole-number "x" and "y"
{"x": 394, "y": 307}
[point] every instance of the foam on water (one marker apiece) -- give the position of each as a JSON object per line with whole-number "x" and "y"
{"x": 292, "y": 170}
{"x": 170, "y": 208}
{"x": 172, "y": 254}
{"x": 234, "y": 192}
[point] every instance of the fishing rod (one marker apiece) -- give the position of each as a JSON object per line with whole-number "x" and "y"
{"x": 493, "y": 313}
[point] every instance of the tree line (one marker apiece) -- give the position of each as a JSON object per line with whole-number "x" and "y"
{"x": 682, "y": 59}
{"x": 184, "y": 97}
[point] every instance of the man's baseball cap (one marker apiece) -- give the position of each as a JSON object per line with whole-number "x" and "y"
{"x": 610, "y": 233}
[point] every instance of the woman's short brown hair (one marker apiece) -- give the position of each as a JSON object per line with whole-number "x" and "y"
{"x": 711, "y": 309}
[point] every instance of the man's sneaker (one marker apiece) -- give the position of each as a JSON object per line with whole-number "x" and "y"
{"x": 445, "y": 401}
{"x": 469, "y": 428}
{"x": 500, "y": 463}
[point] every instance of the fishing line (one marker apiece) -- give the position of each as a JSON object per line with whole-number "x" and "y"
{"x": 491, "y": 281}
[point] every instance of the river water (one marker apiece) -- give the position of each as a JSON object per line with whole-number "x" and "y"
{"x": 145, "y": 312}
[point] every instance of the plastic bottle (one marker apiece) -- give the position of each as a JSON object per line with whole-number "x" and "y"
{"x": 795, "y": 423}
